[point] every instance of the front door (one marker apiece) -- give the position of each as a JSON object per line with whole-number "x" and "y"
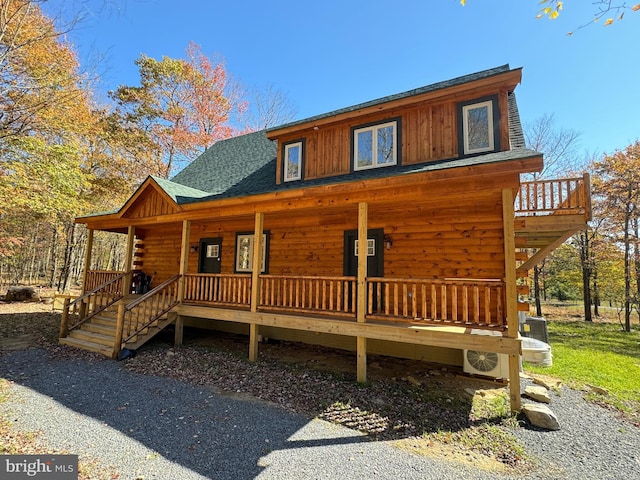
{"x": 375, "y": 255}
{"x": 210, "y": 255}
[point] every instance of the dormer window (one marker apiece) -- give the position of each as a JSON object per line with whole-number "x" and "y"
{"x": 293, "y": 156}
{"x": 375, "y": 145}
{"x": 478, "y": 120}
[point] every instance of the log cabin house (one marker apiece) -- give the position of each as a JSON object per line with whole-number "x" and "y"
{"x": 400, "y": 226}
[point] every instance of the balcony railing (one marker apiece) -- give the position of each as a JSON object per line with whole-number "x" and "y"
{"x": 547, "y": 197}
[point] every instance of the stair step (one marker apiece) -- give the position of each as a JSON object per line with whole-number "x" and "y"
{"x": 105, "y": 340}
{"x": 100, "y": 328}
{"x": 84, "y": 345}
{"x": 99, "y": 319}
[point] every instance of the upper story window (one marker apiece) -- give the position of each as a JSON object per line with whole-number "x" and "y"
{"x": 375, "y": 145}
{"x": 479, "y": 126}
{"x": 293, "y": 161}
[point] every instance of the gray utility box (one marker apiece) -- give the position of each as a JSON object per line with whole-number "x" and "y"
{"x": 535, "y": 327}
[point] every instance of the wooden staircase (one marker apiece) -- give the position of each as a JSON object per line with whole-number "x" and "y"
{"x": 106, "y": 321}
{"x": 98, "y": 334}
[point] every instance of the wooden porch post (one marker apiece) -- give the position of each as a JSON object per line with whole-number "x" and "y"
{"x": 128, "y": 260}
{"x": 508, "y": 219}
{"x": 255, "y": 284}
{"x": 87, "y": 265}
{"x": 361, "y": 342}
{"x": 184, "y": 262}
{"x": 87, "y": 260}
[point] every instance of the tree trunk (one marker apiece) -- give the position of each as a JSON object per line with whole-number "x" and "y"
{"x": 627, "y": 273}
{"x": 54, "y": 255}
{"x": 585, "y": 263}
{"x": 63, "y": 282}
{"x": 636, "y": 263}
{"x": 596, "y": 293}
{"x": 536, "y": 290}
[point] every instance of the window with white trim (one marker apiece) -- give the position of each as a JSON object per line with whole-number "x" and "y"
{"x": 375, "y": 146}
{"x": 477, "y": 127}
{"x": 293, "y": 161}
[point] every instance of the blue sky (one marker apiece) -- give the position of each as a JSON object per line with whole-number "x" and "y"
{"x": 332, "y": 54}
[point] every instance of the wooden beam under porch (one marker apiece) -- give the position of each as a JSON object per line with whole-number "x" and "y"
{"x": 448, "y": 336}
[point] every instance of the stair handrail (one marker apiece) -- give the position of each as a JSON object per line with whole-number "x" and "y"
{"x": 154, "y": 315}
{"x": 81, "y": 303}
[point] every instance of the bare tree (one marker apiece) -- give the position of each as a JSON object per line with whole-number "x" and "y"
{"x": 269, "y": 107}
{"x": 560, "y": 148}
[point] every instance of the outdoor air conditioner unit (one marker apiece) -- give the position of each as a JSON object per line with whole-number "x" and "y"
{"x": 489, "y": 364}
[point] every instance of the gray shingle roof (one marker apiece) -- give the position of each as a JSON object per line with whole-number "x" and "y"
{"x": 516, "y": 135}
{"x": 230, "y": 165}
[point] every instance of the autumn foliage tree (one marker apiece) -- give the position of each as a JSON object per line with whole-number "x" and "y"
{"x": 616, "y": 185}
{"x": 185, "y": 105}
{"x": 60, "y": 154}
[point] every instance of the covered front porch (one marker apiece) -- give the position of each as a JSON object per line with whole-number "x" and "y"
{"x": 447, "y": 311}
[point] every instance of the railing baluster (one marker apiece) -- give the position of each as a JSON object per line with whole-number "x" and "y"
{"x": 476, "y": 304}
{"x": 443, "y": 301}
{"x": 414, "y": 300}
{"x": 331, "y": 284}
{"x": 395, "y": 299}
{"x": 387, "y": 303}
{"x": 487, "y": 305}
{"x": 465, "y": 303}
{"x": 454, "y": 303}
{"x": 434, "y": 302}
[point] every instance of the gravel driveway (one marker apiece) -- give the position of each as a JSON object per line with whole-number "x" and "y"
{"x": 145, "y": 426}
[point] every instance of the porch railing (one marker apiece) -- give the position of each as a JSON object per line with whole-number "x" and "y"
{"x": 96, "y": 278}
{"x": 219, "y": 289}
{"x": 545, "y": 197}
{"x": 473, "y": 303}
{"x": 140, "y": 314}
{"x": 325, "y": 295}
{"x": 80, "y": 310}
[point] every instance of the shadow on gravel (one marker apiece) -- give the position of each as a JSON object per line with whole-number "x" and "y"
{"x": 195, "y": 405}
{"x": 214, "y": 435}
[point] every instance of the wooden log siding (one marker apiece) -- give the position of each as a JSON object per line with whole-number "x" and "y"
{"x": 218, "y": 289}
{"x": 474, "y": 303}
{"x": 97, "y": 278}
{"x": 567, "y": 195}
{"x": 318, "y": 294}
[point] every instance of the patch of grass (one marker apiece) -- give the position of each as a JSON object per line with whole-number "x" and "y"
{"x": 599, "y": 354}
